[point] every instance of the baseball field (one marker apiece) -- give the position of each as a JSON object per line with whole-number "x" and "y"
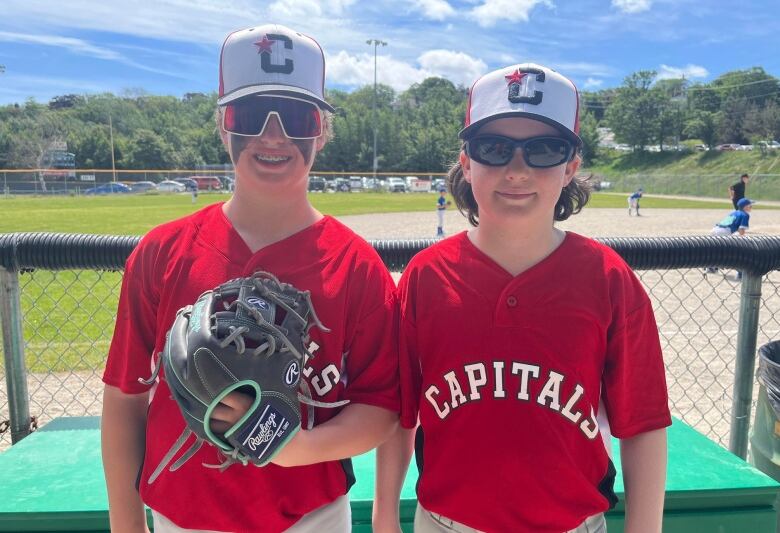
{"x": 68, "y": 316}
{"x": 136, "y": 214}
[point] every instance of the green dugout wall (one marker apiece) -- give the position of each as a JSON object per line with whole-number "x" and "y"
{"x": 53, "y": 481}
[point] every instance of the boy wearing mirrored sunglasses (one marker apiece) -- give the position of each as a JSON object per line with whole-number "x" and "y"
{"x": 273, "y": 119}
{"x": 551, "y": 342}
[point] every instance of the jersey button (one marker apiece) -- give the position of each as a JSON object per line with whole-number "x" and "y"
{"x": 511, "y": 301}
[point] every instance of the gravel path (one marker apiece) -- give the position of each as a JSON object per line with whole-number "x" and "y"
{"x": 698, "y": 332}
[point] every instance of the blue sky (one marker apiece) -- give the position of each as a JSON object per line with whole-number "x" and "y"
{"x": 172, "y": 47}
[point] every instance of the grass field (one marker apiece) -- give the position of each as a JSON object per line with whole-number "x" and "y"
{"x": 68, "y": 318}
{"x": 137, "y": 214}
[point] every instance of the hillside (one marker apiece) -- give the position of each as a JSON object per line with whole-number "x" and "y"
{"x": 704, "y": 174}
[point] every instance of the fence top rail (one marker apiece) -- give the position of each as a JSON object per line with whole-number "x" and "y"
{"x": 217, "y": 171}
{"x": 69, "y": 251}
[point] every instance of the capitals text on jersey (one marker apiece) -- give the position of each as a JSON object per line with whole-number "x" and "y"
{"x": 528, "y": 376}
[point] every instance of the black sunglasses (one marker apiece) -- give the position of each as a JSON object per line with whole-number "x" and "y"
{"x": 538, "y": 152}
{"x": 300, "y": 119}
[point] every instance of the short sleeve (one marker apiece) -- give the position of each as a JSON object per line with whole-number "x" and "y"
{"x": 409, "y": 359}
{"x": 634, "y": 383}
{"x": 133, "y": 342}
{"x": 372, "y": 360}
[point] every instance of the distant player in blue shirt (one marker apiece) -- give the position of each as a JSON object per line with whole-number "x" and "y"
{"x": 441, "y": 206}
{"x": 633, "y": 201}
{"x": 736, "y": 223}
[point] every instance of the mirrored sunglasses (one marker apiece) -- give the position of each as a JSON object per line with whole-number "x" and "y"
{"x": 300, "y": 119}
{"x": 538, "y": 152}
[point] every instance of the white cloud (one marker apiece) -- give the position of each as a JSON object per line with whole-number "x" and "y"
{"x": 295, "y": 8}
{"x": 459, "y": 68}
{"x": 665, "y": 72}
{"x": 632, "y": 6}
{"x": 204, "y": 22}
{"x": 77, "y": 46}
{"x": 339, "y": 6}
{"x": 356, "y": 70}
{"x": 434, "y": 9}
{"x": 593, "y": 83}
{"x": 493, "y": 11}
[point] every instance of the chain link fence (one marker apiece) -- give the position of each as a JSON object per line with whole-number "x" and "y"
{"x": 762, "y": 186}
{"x": 91, "y": 181}
{"x": 68, "y": 320}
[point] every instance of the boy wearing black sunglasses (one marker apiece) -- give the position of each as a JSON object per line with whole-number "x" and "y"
{"x": 273, "y": 119}
{"x": 551, "y": 342}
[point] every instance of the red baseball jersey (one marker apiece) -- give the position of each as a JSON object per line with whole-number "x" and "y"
{"x": 352, "y": 293}
{"x": 507, "y": 375}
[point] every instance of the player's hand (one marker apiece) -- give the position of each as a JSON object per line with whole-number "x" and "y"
{"x": 229, "y": 411}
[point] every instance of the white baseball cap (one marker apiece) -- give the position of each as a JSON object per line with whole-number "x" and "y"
{"x": 272, "y": 59}
{"x": 524, "y": 90}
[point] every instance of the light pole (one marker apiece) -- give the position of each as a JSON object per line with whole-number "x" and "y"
{"x": 111, "y": 132}
{"x": 375, "y": 43}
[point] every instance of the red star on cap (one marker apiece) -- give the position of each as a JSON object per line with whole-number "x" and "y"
{"x": 264, "y": 46}
{"x": 515, "y": 77}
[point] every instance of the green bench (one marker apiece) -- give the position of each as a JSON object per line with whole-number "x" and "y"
{"x": 53, "y": 481}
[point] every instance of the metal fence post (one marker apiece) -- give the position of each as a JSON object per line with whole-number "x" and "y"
{"x": 750, "y": 302}
{"x": 13, "y": 351}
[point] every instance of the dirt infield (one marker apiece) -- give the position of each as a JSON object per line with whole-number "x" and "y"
{"x": 697, "y": 315}
{"x": 590, "y": 222}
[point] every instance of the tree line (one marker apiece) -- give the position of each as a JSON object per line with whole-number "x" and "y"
{"x": 416, "y": 128}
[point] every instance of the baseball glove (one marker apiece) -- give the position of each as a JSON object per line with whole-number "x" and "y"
{"x": 247, "y": 335}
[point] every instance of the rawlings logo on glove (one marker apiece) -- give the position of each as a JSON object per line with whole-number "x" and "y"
{"x": 248, "y": 335}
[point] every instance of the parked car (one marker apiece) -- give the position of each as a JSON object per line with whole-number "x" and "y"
{"x": 207, "y": 183}
{"x": 143, "y": 186}
{"x": 341, "y": 185}
{"x": 438, "y": 184}
{"x": 356, "y": 183}
{"x": 371, "y": 184}
{"x": 726, "y": 147}
{"x": 415, "y": 184}
{"x": 108, "y": 188}
{"x": 171, "y": 186}
{"x": 771, "y": 145}
{"x": 189, "y": 184}
{"x": 316, "y": 183}
{"x": 395, "y": 184}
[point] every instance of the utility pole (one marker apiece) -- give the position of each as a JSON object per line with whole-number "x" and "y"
{"x": 375, "y": 43}
{"x": 111, "y": 133}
